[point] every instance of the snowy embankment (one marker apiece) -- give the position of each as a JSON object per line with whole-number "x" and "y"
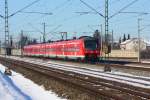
{"x": 17, "y": 87}
{"x": 137, "y": 81}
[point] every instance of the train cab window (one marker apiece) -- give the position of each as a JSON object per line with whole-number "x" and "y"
{"x": 90, "y": 44}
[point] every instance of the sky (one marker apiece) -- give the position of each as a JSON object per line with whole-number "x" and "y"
{"x": 65, "y": 18}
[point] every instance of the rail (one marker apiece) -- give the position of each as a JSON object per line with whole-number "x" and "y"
{"x": 97, "y": 81}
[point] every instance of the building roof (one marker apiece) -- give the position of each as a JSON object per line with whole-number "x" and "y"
{"x": 127, "y": 41}
{"x": 147, "y": 42}
{"x": 130, "y": 40}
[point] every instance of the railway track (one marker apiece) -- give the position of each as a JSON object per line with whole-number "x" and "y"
{"x": 130, "y": 65}
{"x": 115, "y": 64}
{"x": 114, "y": 86}
{"x": 87, "y": 69}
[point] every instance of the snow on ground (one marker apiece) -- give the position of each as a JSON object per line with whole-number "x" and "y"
{"x": 98, "y": 74}
{"x": 91, "y": 72}
{"x": 17, "y": 87}
{"x": 5, "y": 93}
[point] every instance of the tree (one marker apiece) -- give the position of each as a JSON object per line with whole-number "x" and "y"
{"x": 11, "y": 41}
{"x": 128, "y": 36}
{"x": 97, "y": 36}
{"x": 49, "y": 41}
{"x": 24, "y": 40}
{"x": 119, "y": 40}
{"x": 124, "y": 38}
{"x": 34, "y": 41}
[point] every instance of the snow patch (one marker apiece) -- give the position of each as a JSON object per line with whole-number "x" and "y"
{"x": 28, "y": 87}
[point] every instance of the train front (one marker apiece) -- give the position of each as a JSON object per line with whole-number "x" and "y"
{"x": 91, "y": 49}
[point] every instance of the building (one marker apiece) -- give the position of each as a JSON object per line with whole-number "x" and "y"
{"x": 148, "y": 44}
{"x": 132, "y": 44}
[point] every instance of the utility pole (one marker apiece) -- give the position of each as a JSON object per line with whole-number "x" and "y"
{"x": 66, "y": 35}
{"x": 112, "y": 39}
{"x": 7, "y": 44}
{"x": 21, "y": 43}
{"x": 101, "y": 38}
{"x": 106, "y": 28}
{"x": 107, "y": 67}
{"x": 0, "y": 47}
{"x": 139, "y": 44}
{"x": 44, "y": 32}
{"x": 6, "y": 28}
{"x": 44, "y": 36}
{"x": 40, "y": 39}
{"x": 106, "y": 22}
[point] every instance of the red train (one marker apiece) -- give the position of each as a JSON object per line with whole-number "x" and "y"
{"x": 79, "y": 49}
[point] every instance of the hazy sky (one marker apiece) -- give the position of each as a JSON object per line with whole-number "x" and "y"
{"x": 65, "y": 18}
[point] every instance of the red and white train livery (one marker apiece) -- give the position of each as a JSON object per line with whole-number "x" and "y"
{"x": 82, "y": 48}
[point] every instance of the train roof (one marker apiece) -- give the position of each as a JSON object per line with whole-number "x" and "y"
{"x": 80, "y": 38}
{"x": 87, "y": 38}
{"x": 84, "y": 37}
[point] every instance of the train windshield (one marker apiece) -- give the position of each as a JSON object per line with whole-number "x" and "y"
{"x": 91, "y": 44}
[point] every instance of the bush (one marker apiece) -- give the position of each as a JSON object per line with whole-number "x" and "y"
{"x": 145, "y": 54}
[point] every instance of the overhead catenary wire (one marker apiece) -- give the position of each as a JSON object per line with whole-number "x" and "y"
{"x": 128, "y": 5}
{"x": 88, "y": 12}
{"x": 134, "y": 12}
{"x": 115, "y": 1}
{"x": 92, "y": 8}
{"x": 70, "y": 18}
{"x": 1, "y": 16}
{"x": 54, "y": 29}
{"x": 54, "y": 9}
{"x": 7, "y": 16}
{"x": 42, "y": 13}
{"x": 29, "y": 5}
{"x": 126, "y": 19}
{"x": 74, "y": 17}
{"x": 137, "y": 14}
{"x": 36, "y": 29}
{"x": 66, "y": 19}
{"x": 96, "y": 11}
{"x": 110, "y": 3}
{"x": 61, "y": 5}
{"x": 145, "y": 26}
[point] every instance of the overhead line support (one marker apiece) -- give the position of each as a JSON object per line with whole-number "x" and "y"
{"x": 106, "y": 21}
{"x": 6, "y": 27}
{"x": 139, "y": 40}
{"x": 44, "y": 32}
